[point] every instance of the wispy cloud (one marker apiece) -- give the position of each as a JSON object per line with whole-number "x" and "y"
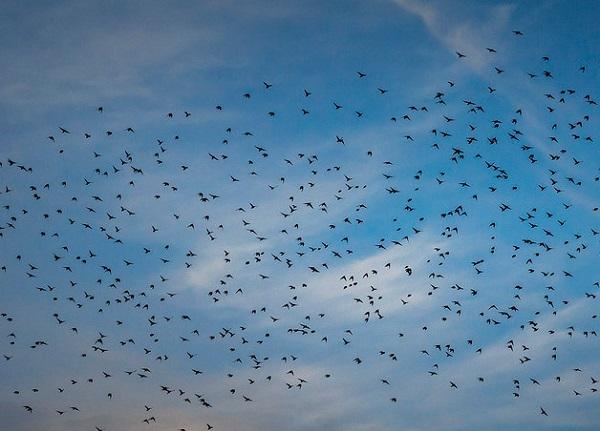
{"x": 463, "y": 29}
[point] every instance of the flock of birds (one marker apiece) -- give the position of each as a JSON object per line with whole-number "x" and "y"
{"x": 112, "y": 252}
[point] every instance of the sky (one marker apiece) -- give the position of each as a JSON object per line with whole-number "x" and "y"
{"x": 256, "y": 236}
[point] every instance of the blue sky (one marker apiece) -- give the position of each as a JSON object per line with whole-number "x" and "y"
{"x": 297, "y": 194}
